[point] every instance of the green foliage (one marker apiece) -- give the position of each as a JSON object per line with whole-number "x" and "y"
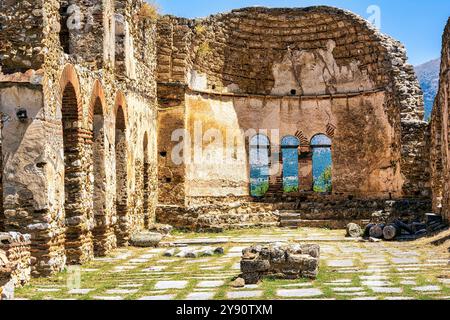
{"x": 260, "y": 190}
{"x": 323, "y": 183}
{"x": 289, "y": 189}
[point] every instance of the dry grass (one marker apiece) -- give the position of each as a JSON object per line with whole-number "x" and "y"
{"x": 203, "y": 50}
{"x": 200, "y": 29}
{"x": 149, "y": 11}
{"x": 441, "y": 241}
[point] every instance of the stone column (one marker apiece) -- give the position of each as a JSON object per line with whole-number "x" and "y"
{"x": 305, "y": 174}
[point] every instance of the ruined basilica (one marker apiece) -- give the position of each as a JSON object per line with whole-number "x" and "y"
{"x": 92, "y": 92}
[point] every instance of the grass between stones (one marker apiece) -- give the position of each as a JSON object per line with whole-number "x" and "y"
{"x": 111, "y": 273}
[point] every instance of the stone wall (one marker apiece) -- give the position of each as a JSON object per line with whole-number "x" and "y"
{"x": 21, "y": 46}
{"x": 59, "y": 169}
{"x": 303, "y": 72}
{"x": 440, "y": 156}
{"x": 16, "y": 248}
{"x": 289, "y": 210}
{"x": 360, "y": 127}
{"x": 280, "y": 261}
{"x": 171, "y": 117}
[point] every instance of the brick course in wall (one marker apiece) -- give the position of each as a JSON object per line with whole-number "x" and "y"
{"x": 51, "y": 193}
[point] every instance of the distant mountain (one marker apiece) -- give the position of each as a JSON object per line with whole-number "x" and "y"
{"x": 428, "y": 74}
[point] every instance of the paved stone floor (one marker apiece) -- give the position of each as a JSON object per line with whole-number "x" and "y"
{"x": 349, "y": 270}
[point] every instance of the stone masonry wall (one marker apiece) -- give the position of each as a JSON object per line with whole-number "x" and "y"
{"x": 49, "y": 163}
{"x": 440, "y": 155}
{"x": 265, "y": 68}
{"x": 16, "y": 247}
{"x": 437, "y": 169}
{"x": 21, "y": 35}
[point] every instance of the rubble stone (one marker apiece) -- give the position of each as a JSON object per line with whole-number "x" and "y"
{"x": 354, "y": 230}
{"x": 283, "y": 261}
{"x": 146, "y": 239}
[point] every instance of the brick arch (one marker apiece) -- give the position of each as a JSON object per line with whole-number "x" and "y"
{"x": 69, "y": 76}
{"x": 121, "y": 102}
{"x": 104, "y": 238}
{"x": 78, "y": 242}
{"x": 331, "y": 129}
{"x": 123, "y": 228}
{"x": 97, "y": 96}
{"x": 302, "y": 138}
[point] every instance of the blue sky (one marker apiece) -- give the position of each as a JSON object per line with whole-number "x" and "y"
{"x": 417, "y": 23}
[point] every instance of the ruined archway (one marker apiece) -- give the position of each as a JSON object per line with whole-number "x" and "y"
{"x": 146, "y": 183}
{"x": 121, "y": 157}
{"x": 289, "y": 153}
{"x": 104, "y": 239}
{"x": 321, "y": 163}
{"x": 78, "y": 243}
{"x": 259, "y": 165}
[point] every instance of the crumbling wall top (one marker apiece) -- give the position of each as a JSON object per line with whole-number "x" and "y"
{"x": 240, "y": 51}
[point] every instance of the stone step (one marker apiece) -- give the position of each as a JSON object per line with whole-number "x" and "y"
{"x": 288, "y": 216}
{"x": 318, "y": 223}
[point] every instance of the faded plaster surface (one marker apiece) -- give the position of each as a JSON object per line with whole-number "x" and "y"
{"x": 361, "y": 148}
{"x": 315, "y": 72}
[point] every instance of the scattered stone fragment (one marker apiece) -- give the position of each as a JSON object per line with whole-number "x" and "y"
{"x": 146, "y": 239}
{"x": 353, "y": 230}
{"x": 169, "y": 253}
{"x": 219, "y": 251}
{"x": 280, "y": 260}
{"x": 181, "y": 254}
{"x": 163, "y": 229}
{"x": 238, "y": 283}
{"x": 191, "y": 254}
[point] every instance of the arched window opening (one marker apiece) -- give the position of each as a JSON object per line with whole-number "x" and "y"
{"x": 99, "y": 196}
{"x": 121, "y": 177}
{"x": 259, "y": 165}
{"x": 322, "y": 163}
{"x": 74, "y": 177}
{"x": 289, "y": 153}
